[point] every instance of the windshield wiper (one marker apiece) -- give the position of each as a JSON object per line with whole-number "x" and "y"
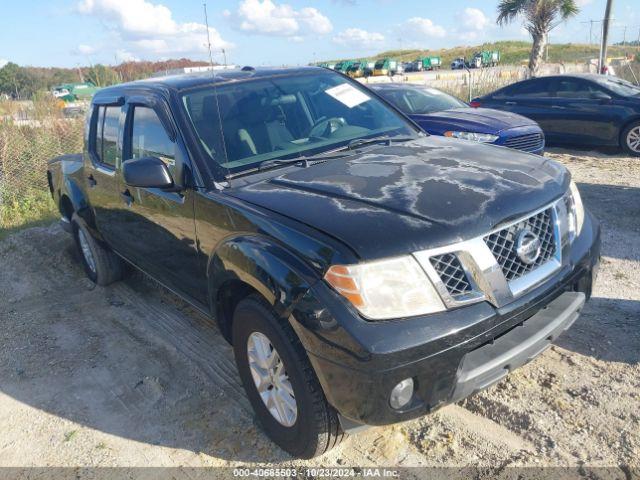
{"x": 304, "y": 161}
{"x": 363, "y": 142}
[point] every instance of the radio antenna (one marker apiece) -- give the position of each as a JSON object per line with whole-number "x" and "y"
{"x": 206, "y": 22}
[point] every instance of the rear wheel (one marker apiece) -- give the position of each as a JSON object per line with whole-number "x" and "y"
{"x": 280, "y": 382}
{"x": 101, "y": 265}
{"x": 630, "y": 139}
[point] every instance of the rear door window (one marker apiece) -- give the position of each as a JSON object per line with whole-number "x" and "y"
{"x": 104, "y": 144}
{"x": 110, "y": 134}
{"x": 540, "y": 88}
{"x": 98, "y": 134}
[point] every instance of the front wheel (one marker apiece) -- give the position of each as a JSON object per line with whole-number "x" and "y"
{"x": 280, "y": 382}
{"x": 630, "y": 139}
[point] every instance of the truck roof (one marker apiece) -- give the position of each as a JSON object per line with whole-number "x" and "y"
{"x": 194, "y": 80}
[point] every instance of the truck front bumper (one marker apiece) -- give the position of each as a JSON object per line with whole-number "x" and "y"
{"x": 449, "y": 356}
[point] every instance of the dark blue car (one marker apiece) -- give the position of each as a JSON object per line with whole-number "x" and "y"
{"x": 592, "y": 110}
{"x": 439, "y": 113}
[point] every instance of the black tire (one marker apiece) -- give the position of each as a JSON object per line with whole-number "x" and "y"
{"x": 316, "y": 429}
{"x": 107, "y": 266}
{"x": 624, "y": 139}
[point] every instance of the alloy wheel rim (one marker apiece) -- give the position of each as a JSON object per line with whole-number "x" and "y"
{"x": 86, "y": 251}
{"x": 633, "y": 139}
{"x": 271, "y": 379}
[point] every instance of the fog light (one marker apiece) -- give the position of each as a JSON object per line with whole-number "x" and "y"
{"x": 401, "y": 394}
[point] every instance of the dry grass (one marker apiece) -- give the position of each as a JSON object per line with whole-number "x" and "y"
{"x": 25, "y": 148}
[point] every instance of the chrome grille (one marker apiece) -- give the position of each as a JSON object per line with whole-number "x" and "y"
{"x": 527, "y": 143}
{"x": 502, "y": 244}
{"x": 450, "y": 270}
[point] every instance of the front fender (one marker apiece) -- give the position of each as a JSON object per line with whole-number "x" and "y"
{"x": 268, "y": 267}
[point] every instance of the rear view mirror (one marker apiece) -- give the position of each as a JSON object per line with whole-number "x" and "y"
{"x": 146, "y": 172}
{"x": 600, "y": 96}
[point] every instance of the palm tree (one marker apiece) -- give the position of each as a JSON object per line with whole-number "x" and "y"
{"x": 540, "y": 17}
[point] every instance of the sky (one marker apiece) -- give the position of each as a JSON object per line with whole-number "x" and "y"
{"x": 68, "y": 33}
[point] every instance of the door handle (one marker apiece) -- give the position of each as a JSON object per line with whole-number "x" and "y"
{"x": 91, "y": 181}
{"x": 510, "y": 103}
{"x": 127, "y": 197}
{"x": 557, "y": 107}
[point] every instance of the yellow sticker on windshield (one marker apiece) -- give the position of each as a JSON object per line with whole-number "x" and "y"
{"x": 348, "y": 95}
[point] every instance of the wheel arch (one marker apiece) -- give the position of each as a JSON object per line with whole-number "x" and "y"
{"x": 247, "y": 264}
{"x": 77, "y": 200}
{"x": 627, "y": 124}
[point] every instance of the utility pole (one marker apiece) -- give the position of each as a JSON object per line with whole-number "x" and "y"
{"x": 605, "y": 36}
{"x": 591, "y": 23}
{"x": 547, "y": 59}
{"x": 624, "y": 36}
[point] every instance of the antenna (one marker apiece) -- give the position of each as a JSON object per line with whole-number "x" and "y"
{"x": 206, "y": 22}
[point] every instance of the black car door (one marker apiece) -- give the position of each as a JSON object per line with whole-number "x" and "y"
{"x": 531, "y": 98}
{"x": 584, "y": 113}
{"x": 156, "y": 227}
{"x": 102, "y": 163}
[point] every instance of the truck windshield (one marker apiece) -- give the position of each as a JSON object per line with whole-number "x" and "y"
{"x": 420, "y": 101}
{"x": 244, "y": 123}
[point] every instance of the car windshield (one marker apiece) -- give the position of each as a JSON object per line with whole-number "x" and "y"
{"x": 420, "y": 101}
{"x": 244, "y": 123}
{"x": 620, "y": 86}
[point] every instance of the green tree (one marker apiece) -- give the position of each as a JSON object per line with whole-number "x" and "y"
{"x": 102, "y": 75}
{"x": 17, "y": 81}
{"x": 540, "y": 17}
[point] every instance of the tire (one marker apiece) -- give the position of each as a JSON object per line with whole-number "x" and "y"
{"x": 316, "y": 428}
{"x": 630, "y": 139}
{"x": 101, "y": 265}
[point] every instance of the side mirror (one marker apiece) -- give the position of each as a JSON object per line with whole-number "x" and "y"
{"x": 146, "y": 172}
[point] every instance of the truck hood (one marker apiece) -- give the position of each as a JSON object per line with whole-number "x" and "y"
{"x": 480, "y": 120}
{"x": 393, "y": 200}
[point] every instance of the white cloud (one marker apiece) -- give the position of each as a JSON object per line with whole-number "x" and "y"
{"x": 473, "y": 19}
{"x": 358, "y": 38}
{"x": 126, "y": 56}
{"x": 148, "y": 28}
{"x": 419, "y": 27}
{"x": 3, "y": 62}
{"x": 83, "y": 49}
{"x": 269, "y": 18}
{"x": 472, "y": 23}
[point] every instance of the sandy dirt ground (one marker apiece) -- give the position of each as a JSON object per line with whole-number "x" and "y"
{"x": 130, "y": 376}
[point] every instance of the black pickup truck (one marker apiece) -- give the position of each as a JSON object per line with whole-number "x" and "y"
{"x": 364, "y": 272}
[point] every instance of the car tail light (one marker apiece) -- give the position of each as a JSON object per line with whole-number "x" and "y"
{"x": 475, "y": 104}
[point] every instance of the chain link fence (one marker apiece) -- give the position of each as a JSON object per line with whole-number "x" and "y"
{"x": 29, "y": 138}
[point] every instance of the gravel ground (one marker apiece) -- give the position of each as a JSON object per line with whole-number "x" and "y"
{"x": 130, "y": 376}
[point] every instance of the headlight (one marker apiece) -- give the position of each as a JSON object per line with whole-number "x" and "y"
{"x": 386, "y": 289}
{"x": 475, "y": 137}
{"x": 576, "y": 211}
